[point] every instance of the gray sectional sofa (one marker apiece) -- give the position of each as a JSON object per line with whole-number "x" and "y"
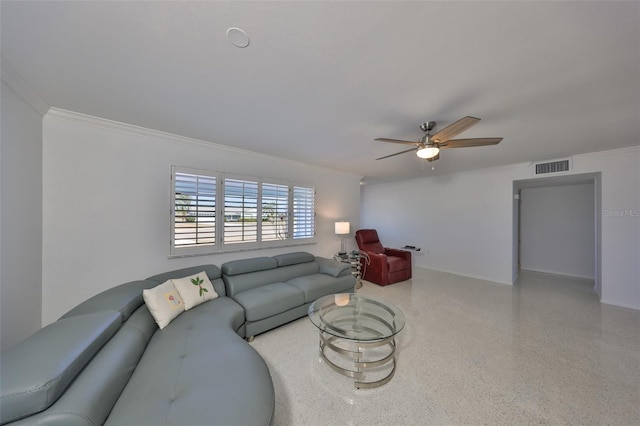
{"x": 279, "y": 289}
{"x": 106, "y": 361}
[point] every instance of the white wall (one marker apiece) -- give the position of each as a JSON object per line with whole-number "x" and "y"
{"x": 461, "y": 221}
{"x": 598, "y": 235}
{"x": 557, "y": 230}
{"x": 464, "y": 221}
{"x": 107, "y": 203}
{"x": 20, "y": 218}
{"x": 515, "y": 244}
{"x": 620, "y": 223}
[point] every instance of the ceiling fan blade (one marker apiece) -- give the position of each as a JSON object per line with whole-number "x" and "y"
{"x": 396, "y": 141}
{"x": 454, "y": 129}
{"x": 397, "y": 153}
{"x": 467, "y": 143}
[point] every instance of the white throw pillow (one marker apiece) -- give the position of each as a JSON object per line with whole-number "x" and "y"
{"x": 164, "y": 303}
{"x": 195, "y": 289}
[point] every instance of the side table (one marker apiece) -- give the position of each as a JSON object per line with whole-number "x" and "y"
{"x": 353, "y": 259}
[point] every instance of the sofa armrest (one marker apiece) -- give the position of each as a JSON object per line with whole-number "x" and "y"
{"x": 333, "y": 267}
{"x": 398, "y": 253}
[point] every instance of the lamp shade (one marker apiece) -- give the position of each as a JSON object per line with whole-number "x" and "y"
{"x": 342, "y": 299}
{"x": 428, "y": 152}
{"x": 342, "y": 228}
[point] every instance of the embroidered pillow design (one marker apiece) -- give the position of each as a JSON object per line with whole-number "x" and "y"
{"x": 195, "y": 289}
{"x": 164, "y": 303}
{"x": 173, "y": 299}
{"x": 198, "y": 281}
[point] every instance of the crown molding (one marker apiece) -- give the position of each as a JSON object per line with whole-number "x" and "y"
{"x": 90, "y": 120}
{"x": 118, "y": 126}
{"x": 610, "y": 152}
{"x": 12, "y": 77}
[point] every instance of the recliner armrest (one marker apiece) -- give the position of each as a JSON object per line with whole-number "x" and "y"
{"x": 377, "y": 266}
{"x": 375, "y": 258}
{"x": 398, "y": 253}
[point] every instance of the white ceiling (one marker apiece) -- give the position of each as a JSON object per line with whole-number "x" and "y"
{"x": 321, "y": 80}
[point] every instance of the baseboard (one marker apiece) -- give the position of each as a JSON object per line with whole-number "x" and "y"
{"x": 619, "y": 305}
{"x": 559, "y": 274}
{"x": 477, "y": 277}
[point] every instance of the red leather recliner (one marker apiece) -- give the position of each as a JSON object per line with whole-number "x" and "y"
{"x": 387, "y": 265}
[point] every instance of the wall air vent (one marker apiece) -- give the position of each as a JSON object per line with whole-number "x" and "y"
{"x": 553, "y": 167}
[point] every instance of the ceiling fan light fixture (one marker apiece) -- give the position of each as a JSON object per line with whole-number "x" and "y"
{"x": 428, "y": 147}
{"x": 428, "y": 152}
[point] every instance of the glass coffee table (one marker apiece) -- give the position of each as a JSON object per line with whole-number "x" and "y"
{"x": 357, "y": 336}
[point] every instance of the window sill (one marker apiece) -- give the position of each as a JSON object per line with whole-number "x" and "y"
{"x": 239, "y": 250}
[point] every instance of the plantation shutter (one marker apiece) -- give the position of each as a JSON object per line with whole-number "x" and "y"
{"x": 194, "y": 210}
{"x": 303, "y": 212}
{"x": 215, "y": 212}
{"x": 240, "y": 211}
{"x": 275, "y": 212}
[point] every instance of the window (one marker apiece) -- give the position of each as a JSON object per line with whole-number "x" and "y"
{"x": 194, "y": 211}
{"x": 252, "y": 212}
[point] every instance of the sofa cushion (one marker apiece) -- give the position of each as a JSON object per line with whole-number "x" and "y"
{"x": 250, "y": 280}
{"x": 209, "y": 375}
{"x": 142, "y": 322}
{"x": 294, "y": 258}
{"x": 194, "y": 289}
{"x": 32, "y": 382}
{"x": 244, "y": 266}
{"x": 124, "y": 298}
{"x": 220, "y": 312}
{"x": 268, "y": 300}
{"x": 317, "y": 285}
{"x": 212, "y": 271}
{"x": 164, "y": 303}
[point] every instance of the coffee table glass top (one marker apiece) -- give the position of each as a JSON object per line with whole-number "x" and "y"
{"x": 353, "y": 316}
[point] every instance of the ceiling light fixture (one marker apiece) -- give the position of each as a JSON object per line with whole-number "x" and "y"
{"x": 428, "y": 152}
{"x": 238, "y": 37}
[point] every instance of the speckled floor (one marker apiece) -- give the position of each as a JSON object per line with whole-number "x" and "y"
{"x": 544, "y": 351}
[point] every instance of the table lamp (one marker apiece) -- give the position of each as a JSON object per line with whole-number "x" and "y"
{"x": 342, "y": 228}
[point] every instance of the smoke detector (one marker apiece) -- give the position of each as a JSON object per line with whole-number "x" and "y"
{"x": 238, "y": 37}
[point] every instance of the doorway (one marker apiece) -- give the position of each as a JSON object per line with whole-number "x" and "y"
{"x": 556, "y": 226}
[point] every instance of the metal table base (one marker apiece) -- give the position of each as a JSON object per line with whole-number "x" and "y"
{"x": 360, "y": 359}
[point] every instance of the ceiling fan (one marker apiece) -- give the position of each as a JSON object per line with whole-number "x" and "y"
{"x": 428, "y": 147}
